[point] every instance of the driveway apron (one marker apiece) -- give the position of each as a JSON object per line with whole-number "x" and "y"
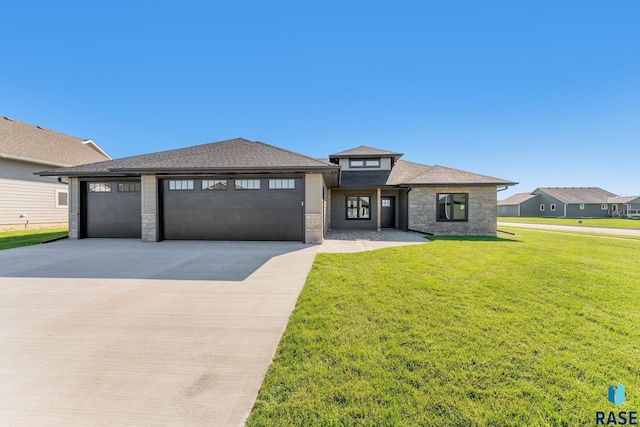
{"x": 106, "y": 332}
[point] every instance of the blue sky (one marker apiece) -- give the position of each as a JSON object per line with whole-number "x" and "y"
{"x": 546, "y": 93}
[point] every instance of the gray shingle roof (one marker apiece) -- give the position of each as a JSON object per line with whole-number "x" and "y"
{"x": 28, "y": 142}
{"x": 516, "y": 199}
{"x": 624, "y": 199}
{"x": 577, "y": 194}
{"x": 364, "y": 151}
{"x": 232, "y": 154}
{"x": 409, "y": 173}
{"x": 443, "y": 175}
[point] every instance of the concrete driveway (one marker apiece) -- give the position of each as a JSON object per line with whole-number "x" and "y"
{"x": 119, "y": 332}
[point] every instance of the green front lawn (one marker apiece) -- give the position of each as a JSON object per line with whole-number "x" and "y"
{"x": 526, "y": 330}
{"x": 14, "y": 239}
{"x": 583, "y": 222}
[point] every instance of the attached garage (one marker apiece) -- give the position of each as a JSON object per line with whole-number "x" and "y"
{"x": 239, "y": 208}
{"x": 111, "y": 209}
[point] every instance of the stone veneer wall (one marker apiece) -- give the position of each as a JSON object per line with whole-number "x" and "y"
{"x": 74, "y": 208}
{"x": 482, "y": 211}
{"x": 313, "y": 206}
{"x": 149, "y": 185}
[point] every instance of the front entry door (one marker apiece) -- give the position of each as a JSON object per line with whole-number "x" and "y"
{"x": 388, "y": 212}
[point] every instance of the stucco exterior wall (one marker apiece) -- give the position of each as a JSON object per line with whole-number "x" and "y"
{"x": 482, "y": 202}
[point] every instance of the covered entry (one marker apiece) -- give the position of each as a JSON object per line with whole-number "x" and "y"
{"x": 232, "y": 208}
{"x": 111, "y": 209}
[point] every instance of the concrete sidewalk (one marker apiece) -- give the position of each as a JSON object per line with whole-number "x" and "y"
{"x": 349, "y": 241}
{"x": 137, "y": 351}
{"x": 617, "y": 231}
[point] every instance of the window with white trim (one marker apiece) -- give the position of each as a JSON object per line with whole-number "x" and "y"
{"x": 604, "y": 206}
{"x": 62, "y": 198}
{"x": 552, "y": 207}
{"x": 247, "y": 184}
{"x": 180, "y": 184}
{"x": 581, "y": 206}
{"x": 99, "y": 187}
{"x": 504, "y": 209}
{"x": 541, "y": 208}
{"x": 364, "y": 163}
{"x": 214, "y": 184}
{"x": 282, "y": 184}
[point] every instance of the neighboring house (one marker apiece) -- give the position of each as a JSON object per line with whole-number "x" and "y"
{"x": 26, "y": 198}
{"x": 243, "y": 190}
{"x": 570, "y": 202}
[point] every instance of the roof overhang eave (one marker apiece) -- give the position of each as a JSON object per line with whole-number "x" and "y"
{"x": 225, "y": 170}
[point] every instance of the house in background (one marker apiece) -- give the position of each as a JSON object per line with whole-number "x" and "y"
{"x": 244, "y": 190}
{"x": 569, "y": 202}
{"x": 25, "y": 198}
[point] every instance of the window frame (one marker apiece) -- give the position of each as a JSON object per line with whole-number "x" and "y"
{"x": 552, "y": 207}
{"x": 364, "y": 161}
{"x": 357, "y": 207}
{"x": 249, "y": 187}
{"x": 273, "y": 182}
{"x": 452, "y": 209}
{"x": 581, "y": 206}
{"x": 99, "y": 187}
{"x": 604, "y": 206}
{"x": 216, "y": 186}
{"x": 542, "y": 207}
{"x": 59, "y": 191}
{"x": 137, "y": 187}
{"x": 190, "y": 184}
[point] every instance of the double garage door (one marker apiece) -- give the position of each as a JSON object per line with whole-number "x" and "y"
{"x": 199, "y": 209}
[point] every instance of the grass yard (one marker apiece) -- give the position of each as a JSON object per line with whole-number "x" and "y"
{"x": 528, "y": 330}
{"x": 585, "y": 222}
{"x": 15, "y": 239}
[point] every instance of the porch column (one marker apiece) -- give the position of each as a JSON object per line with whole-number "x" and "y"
{"x": 379, "y": 202}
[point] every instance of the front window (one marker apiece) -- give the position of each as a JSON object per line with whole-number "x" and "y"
{"x": 604, "y": 206}
{"x": 358, "y": 207}
{"x": 581, "y": 206}
{"x": 552, "y": 207}
{"x": 541, "y": 208}
{"x": 453, "y": 207}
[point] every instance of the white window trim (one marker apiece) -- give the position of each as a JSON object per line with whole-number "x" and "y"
{"x": 552, "y": 207}
{"x": 58, "y": 205}
{"x": 581, "y": 206}
{"x": 541, "y": 207}
{"x": 604, "y": 206}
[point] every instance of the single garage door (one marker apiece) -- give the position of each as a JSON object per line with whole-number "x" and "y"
{"x": 112, "y": 209}
{"x": 233, "y": 209}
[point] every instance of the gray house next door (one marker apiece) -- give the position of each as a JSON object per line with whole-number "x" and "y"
{"x": 387, "y": 212}
{"x": 233, "y": 209}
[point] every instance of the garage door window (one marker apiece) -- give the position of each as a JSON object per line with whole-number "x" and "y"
{"x": 99, "y": 187}
{"x": 181, "y": 184}
{"x": 128, "y": 187}
{"x": 282, "y": 184}
{"x": 214, "y": 184}
{"x": 247, "y": 184}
